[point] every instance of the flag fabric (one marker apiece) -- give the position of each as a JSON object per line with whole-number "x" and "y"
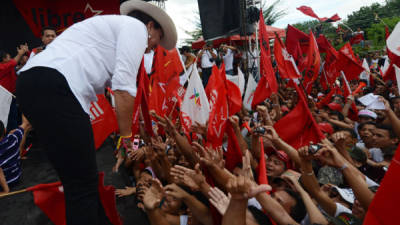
{"x": 325, "y": 46}
{"x": 219, "y": 108}
{"x": 347, "y": 62}
{"x": 141, "y": 103}
{"x": 103, "y": 120}
{"x": 195, "y": 106}
{"x": 312, "y": 64}
{"x": 50, "y": 199}
{"x": 299, "y": 127}
{"x": 387, "y": 32}
{"x": 262, "y": 169}
{"x": 348, "y": 50}
{"x": 327, "y": 99}
{"x": 250, "y": 89}
{"x": 286, "y": 64}
{"x": 383, "y": 209}
{"x": 165, "y": 81}
{"x": 310, "y": 12}
{"x": 296, "y": 42}
{"x": 397, "y": 70}
{"x": 233, "y": 155}
{"x": 364, "y": 75}
{"x": 234, "y": 97}
{"x": 238, "y": 80}
{"x": 356, "y": 39}
{"x": 5, "y": 99}
{"x": 393, "y": 45}
{"x": 267, "y": 84}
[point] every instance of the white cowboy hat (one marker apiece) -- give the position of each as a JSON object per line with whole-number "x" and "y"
{"x": 168, "y": 41}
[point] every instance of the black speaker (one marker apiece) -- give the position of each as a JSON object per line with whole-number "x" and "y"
{"x": 219, "y": 18}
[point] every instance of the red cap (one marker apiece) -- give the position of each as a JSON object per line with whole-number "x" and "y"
{"x": 335, "y": 106}
{"x": 284, "y": 157}
{"x": 285, "y": 109}
{"x": 326, "y": 127}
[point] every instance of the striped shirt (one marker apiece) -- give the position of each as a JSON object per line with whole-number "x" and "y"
{"x": 10, "y": 160}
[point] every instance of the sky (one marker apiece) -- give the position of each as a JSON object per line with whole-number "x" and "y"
{"x": 183, "y": 11}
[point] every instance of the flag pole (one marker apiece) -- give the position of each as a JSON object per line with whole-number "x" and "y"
{"x": 13, "y": 193}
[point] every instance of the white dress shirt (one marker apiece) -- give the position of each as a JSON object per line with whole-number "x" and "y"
{"x": 98, "y": 52}
{"x": 205, "y": 59}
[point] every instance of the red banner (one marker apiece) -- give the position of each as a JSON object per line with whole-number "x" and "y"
{"x": 103, "y": 120}
{"x": 62, "y": 14}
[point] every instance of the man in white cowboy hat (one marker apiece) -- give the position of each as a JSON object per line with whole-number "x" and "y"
{"x": 55, "y": 89}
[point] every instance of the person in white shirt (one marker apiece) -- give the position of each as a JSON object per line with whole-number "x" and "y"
{"x": 228, "y": 55}
{"x": 56, "y": 87}
{"x": 208, "y": 55}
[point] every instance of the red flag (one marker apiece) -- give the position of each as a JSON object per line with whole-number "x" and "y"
{"x": 327, "y": 99}
{"x": 165, "y": 81}
{"x": 349, "y": 66}
{"x": 219, "y": 109}
{"x": 234, "y": 95}
{"x": 356, "y": 39}
{"x": 387, "y": 32}
{"x": 393, "y": 45}
{"x": 103, "y": 120}
{"x": 298, "y": 127}
{"x": 310, "y": 12}
{"x": 262, "y": 169}
{"x": 312, "y": 63}
{"x": 62, "y": 14}
{"x": 296, "y": 42}
{"x": 267, "y": 84}
{"x": 233, "y": 155}
{"x": 383, "y": 209}
{"x": 333, "y": 18}
{"x": 50, "y": 199}
{"x": 141, "y": 102}
{"x": 389, "y": 74}
{"x": 325, "y": 46}
{"x": 348, "y": 50}
{"x": 286, "y": 65}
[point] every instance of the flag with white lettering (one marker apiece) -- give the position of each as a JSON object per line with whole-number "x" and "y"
{"x": 250, "y": 89}
{"x": 103, "y": 120}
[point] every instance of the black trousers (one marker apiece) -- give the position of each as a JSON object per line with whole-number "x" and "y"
{"x": 205, "y": 75}
{"x": 65, "y": 132}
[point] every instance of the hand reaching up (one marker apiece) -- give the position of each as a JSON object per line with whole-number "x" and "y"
{"x": 244, "y": 188}
{"x": 219, "y": 200}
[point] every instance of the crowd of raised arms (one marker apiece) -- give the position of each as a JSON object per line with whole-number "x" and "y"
{"x": 178, "y": 179}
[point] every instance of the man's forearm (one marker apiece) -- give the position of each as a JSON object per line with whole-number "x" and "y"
{"x": 274, "y": 209}
{"x": 124, "y": 110}
{"x": 236, "y": 212}
{"x": 156, "y": 218}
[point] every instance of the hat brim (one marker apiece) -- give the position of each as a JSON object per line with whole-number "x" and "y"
{"x": 170, "y": 37}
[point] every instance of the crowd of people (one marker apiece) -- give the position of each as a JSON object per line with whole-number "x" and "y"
{"x": 177, "y": 180}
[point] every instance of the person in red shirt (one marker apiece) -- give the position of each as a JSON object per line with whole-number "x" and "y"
{"x": 8, "y": 77}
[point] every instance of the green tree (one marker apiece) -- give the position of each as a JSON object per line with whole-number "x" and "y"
{"x": 376, "y": 33}
{"x": 327, "y": 28}
{"x": 271, "y": 13}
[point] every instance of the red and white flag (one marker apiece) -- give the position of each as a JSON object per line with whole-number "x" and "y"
{"x": 250, "y": 89}
{"x": 103, "y": 120}
{"x": 312, "y": 64}
{"x": 286, "y": 64}
{"x": 393, "y": 45}
{"x": 219, "y": 108}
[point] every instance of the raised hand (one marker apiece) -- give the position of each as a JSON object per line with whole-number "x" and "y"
{"x": 243, "y": 188}
{"x": 175, "y": 191}
{"x": 219, "y": 200}
{"x": 125, "y": 192}
{"x": 152, "y": 195}
{"x": 330, "y": 156}
{"x": 188, "y": 177}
